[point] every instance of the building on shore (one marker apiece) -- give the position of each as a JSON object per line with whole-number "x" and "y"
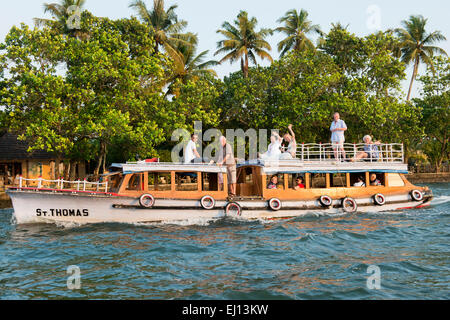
{"x": 15, "y": 161}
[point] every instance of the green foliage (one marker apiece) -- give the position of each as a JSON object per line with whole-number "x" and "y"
{"x": 108, "y": 92}
{"x": 63, "y": 94}
{"x": 435, "y": 104}
{"x": 306, "y": 88}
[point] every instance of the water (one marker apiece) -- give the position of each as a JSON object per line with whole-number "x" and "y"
{"x": 305, "y": 258}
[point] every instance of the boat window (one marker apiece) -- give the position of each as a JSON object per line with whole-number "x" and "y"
{"x": 160, "y": 181}
{"x": 318, "y": 180}
{"x": 338, "y": 180}
{"x": 136, "y": 182}
{"x": 152, "y": 178}
{"x": 275, "y": 181}
{"x": 186, "y": 181}
{"x": 114, "y": 182}
{"x": 376, "y": 179}
{"x": 210, "y": 182}
{"x": 395, "y": 180}
{"x": 245, "y": 175}
{"x": 358, "y": 179}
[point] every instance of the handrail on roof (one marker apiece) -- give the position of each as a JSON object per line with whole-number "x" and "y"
{"x": 319, "y": 152}
{"x": 384, "y": 152}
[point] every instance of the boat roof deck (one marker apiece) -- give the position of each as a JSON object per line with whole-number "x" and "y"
{"x": 134, "y": 167}
{"x": 312, "y": 158}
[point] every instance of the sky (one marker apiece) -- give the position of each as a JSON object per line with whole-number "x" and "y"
{"x": 205, "y": 17}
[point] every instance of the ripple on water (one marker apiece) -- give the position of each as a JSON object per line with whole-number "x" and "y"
{"x": 311, "y": 257}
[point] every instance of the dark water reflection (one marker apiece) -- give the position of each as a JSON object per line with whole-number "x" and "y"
{"x": 305, "y": 258}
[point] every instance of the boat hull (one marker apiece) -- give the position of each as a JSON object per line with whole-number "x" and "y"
{"x": 41, "y": 207}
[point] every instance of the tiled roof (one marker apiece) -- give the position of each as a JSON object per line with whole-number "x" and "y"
{"x": 13, "y": 149}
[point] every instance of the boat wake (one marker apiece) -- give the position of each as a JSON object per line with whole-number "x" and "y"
{"x": 440, "y": 200}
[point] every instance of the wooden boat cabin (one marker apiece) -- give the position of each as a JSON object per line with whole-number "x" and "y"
{"x": 335, "y": 180}
{"x": 169, "y": 180}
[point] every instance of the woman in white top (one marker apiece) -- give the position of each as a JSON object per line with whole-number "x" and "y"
{"x": 274, "y": 149}
{"x": 291, "y": 152}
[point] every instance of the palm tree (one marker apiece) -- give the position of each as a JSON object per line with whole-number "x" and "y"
{"x": 165, "y": 27}
{"x": 243, "y": 42}
{"x": 61, "y": 13}
{"x": 417, "y": 45}
{"x": 194, "y": 66}
{"x": 296, "y": 28}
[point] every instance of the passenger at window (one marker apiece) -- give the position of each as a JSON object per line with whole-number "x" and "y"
{"x": 299, "y": 184}
{"x": 273, "y": 184}
{"x": 359, "y": 182}
{"x": 374, "y": 181}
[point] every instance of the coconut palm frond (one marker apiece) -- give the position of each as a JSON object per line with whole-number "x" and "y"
{"x": 242, "y": 42}
{"x": 415, "y": 45}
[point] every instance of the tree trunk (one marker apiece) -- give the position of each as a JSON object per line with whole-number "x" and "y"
{"x": 104, "y": 160}
{"x": 416, "y": 67}
{"x": 73, "y": 168}
{"x": 66, "y": 170}
{"x": 101, "y": 158}
{"x": 246, "y": 66}
{"x": 57, "y": 171}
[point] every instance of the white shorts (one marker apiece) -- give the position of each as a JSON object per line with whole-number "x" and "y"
{"x": 337, "y": 145}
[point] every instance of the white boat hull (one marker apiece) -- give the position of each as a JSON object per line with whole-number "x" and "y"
{"x": 52, "y": 207}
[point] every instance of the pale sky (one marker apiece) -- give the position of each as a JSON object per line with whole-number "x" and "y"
{"x": 206, "y": 16}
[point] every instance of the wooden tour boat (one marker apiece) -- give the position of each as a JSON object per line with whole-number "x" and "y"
{"x": 144, "y": 192}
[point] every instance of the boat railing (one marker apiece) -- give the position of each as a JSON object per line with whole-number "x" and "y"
{"x": 384, "y": 152}
{"x": 61, "y": 184}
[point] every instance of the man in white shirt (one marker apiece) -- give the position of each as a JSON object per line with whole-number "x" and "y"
{"x": 190, "y": 152}
{"x": 338, "y": 127}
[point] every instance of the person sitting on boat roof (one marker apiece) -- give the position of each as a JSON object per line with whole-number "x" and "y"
{"x": 299, "y": 184}
{"x": 359, "y": 182}
{"x": 338, "y": 127}
{"x": 374, "y": 181}
{"x": 274, "y": 149}
{"x": 291, "y": 152}
{"x": 273, "y": 184}
{"x": 191, "y": 154}
{"x": 370, "y": 150}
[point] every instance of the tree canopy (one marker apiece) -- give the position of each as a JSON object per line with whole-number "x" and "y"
{"x": 114, "y": 90}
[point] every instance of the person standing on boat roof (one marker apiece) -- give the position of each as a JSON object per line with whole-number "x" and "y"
{"x": 338, "y": 127}
{"x": 226, "y": 156}
{"x": 291, "y": 152}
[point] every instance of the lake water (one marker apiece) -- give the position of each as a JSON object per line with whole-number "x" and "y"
{"x": 306, "y": 258}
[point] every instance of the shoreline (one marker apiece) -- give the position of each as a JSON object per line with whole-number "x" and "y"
{"x": 415, "y": 178}
{"x": 421, "y": 178}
